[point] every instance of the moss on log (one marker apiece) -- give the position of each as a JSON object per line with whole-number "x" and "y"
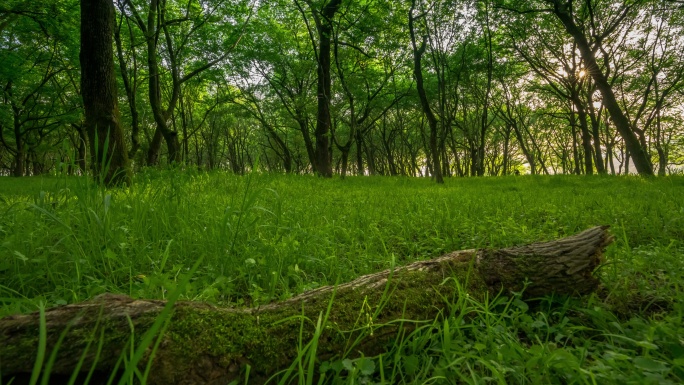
{"x": 210, "y": 345}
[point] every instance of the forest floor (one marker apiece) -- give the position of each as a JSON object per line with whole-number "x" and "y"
{"x": 262, "y": 238}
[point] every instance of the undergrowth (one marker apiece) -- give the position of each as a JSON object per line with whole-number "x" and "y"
{"x": 262, "y": 238}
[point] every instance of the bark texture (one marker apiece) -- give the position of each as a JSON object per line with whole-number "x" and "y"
{"x": 324, "y": 26}
{"x": 204, "y": 344}
{"x": 98, "y": 87}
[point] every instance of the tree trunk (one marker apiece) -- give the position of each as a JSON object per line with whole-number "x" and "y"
{"x": 662, "y": 153}
{"x": 586, "y": 136}
{"x": 203, "y": 344}
{"x": 20, "y": 155}
{"x": 308, "y": 143}
{"x": 323, "y": 166}
{"x": 525, "y": 149}
{"x": 507, "y": 139}
{"x": 155, "y": 148}
{"x": 359, "y": 153}
{"x": 595, "y": 129}
{"x": 485, "y": 105}
{"x": 639, "y": 154}
{"x": 286, "y": 155}
{"x": 344, "y": 160}
{"x": 626, "y": 162}
{"x": 427, "y": 110}
{"x": 575, "y": 150}
{"x": 130, "y": 87}
{"x": 98, "y": 88}
{"x": 160, "y": 115}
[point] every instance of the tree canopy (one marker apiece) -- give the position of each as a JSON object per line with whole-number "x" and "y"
{"x": 434, "y": 88}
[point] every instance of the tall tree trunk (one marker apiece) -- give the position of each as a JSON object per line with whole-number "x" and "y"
{"x": 370, "y": 156}
{"x": 609, "y": 158}
{"x": 155, "y": 148}
{"x": 427, "y": 110}
{"x": 484, "y": 124}
{"x": 662, "y": 160}
{"x": 130, "y": 88}
{"x": 506, "y": 155}
{"x": 344, "y": 160}
{"x": 529, "y": 155}
{"x": 563, "y": 11}
{"x": 595, "y": 132}
{"x": 473, "y": 157}
{"x": 161, "y": 116}
{"x": 184, "y": 125}
{"x": 324, "y": 26}
{"x": 308, "y": 143}
{"x": 287, "y": 159}
{"x": 586, "y": 136}
{"x": 98, "y": 88}
{"x": 627, "y": 162}
{"x": 359, "y": 153}
{"x": 284, "y": 153}
{"x": 598, "y": 154}
{"x": 20, "y": 155}
{"x": 575, "y": 151}
{"x": 660, "y": 148}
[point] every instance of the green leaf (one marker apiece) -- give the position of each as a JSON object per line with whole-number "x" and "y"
{"x": 109, "y": 254}
{"x": 21, "y": 256}
{"x": 561, "y": 359}
{"x": 521, "y": 305}
{"x": 649, "y": 364}
{"x": 538, "y": 324}
{"x": 647, "y": 345}
{"x": 348, "y": 364}
{"x": 366, "y": 366}
{"x": 611, "y": 355}
{"x": 411, "y": 364}
{"x": 325, "y": 366}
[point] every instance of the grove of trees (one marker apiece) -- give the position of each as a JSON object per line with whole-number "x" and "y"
{"x": 437, "y": 88}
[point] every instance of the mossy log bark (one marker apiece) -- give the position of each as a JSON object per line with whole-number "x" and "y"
{"x": 203, "y": 344}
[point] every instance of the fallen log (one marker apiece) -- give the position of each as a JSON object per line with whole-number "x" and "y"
{"x": 203, "y": 344}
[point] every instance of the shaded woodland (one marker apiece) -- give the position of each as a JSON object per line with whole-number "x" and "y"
{"x": 337, "y": 87}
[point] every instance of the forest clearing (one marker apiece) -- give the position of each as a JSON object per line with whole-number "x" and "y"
{"x": 341, "y": 192}
{"x": 249, "y": 241}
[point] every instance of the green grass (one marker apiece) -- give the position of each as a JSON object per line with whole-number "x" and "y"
{"x": 268, "y": 237}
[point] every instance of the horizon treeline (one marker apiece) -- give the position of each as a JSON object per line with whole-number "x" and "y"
{"x": 437, "y": 88}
